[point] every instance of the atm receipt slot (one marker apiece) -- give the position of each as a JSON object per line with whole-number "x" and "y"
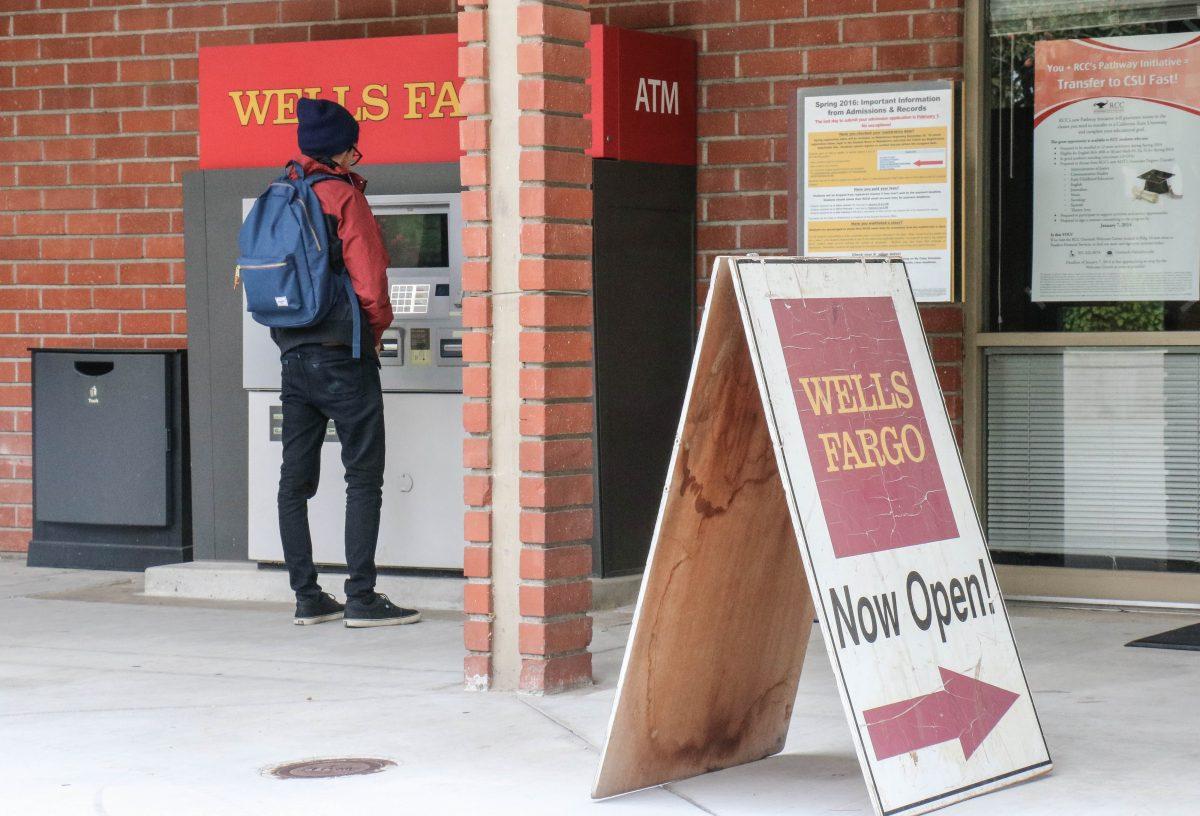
{"x": 391, "y": 350}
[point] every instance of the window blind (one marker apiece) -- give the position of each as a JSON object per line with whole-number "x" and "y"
{"x": 1094, "y": 452}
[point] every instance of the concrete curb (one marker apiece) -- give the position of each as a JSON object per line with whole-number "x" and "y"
{"x": 244, "y": 581}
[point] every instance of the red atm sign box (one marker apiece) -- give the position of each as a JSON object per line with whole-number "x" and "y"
{"x": 643, "y": 96}
{"x": 406, "y": 93}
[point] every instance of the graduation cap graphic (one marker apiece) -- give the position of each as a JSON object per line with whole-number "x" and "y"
{"x": 1156, "y": 181}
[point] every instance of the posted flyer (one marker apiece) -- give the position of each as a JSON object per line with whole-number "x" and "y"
{"x": 1115, "y": 196}
{"x": 877, "y": 173}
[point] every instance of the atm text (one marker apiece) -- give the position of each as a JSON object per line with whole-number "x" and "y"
{"x": 657, "y": 96}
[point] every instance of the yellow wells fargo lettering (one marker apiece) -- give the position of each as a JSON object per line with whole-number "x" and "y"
{"x": 277, "y": 106}
{"x": 856, "y": 394}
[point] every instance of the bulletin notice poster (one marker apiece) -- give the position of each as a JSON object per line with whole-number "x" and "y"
{"x": 874, "y": 176}
{"x": 1116, "y": 146}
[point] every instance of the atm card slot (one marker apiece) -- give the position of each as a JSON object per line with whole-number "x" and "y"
{"x": 452, "y": 348}
{"x": 391, "y": 350}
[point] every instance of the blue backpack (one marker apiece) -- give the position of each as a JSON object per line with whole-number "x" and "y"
{"x": 284, "y": 258}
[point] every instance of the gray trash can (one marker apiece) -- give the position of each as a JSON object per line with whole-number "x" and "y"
{"x": 110, "y": 459}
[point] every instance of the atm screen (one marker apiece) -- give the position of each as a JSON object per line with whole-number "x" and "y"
{"x": 416, "y": 240}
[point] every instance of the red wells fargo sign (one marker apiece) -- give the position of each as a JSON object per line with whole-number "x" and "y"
{"x": 403, "y": 89}
{"x": 877, "y": 473}
{"x": 406, "y": 93}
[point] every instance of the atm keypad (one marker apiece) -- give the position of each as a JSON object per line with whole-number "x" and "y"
{"x": 410, "y": 298}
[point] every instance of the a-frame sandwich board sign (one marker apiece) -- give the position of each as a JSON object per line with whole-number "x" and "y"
{"x": 816, "y": 470}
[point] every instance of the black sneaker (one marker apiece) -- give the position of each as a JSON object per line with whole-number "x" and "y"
{"x": 322, "y": 608}
{"x": 378, "y": 612}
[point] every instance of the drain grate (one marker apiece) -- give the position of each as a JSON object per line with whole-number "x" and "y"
{"x": 330, "y": 768}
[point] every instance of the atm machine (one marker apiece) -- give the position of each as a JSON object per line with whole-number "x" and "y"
{"x": 644, "y": 185}
{"x": 421, "y": 522}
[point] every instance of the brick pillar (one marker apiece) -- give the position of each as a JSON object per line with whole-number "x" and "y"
{"x": 528, "y": 383}
{"x": 557, "y": 411}
{"x": 477, "y": 451}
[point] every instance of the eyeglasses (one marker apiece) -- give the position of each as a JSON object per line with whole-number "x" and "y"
{"x": 357, "y": 156}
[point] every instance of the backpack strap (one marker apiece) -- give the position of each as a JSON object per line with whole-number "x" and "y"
{"x": 355, "y": 306}
{"x": 287, "y": 168}
{"x": 315, "y": 177}
{"x": 356, "y": 313}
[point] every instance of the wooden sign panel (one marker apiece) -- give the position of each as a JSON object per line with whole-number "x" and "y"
{"x": 816, "y": 466}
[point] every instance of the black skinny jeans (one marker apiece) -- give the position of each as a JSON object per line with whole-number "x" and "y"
{"x": 322, "y": 383}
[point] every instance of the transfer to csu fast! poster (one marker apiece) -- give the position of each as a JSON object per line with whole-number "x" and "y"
{"x": 877, "y": 175}
{"x": 1116, "y": 153}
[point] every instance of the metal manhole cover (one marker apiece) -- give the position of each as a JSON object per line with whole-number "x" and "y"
{"x": 330, "y": 768}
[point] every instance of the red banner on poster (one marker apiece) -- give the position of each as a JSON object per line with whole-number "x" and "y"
{"x": 864, "y": 426}
{"x": 1071, "y": 71}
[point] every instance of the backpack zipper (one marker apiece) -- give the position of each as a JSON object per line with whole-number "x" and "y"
{"x": 311, "y": 228}
{"x": 237, "y": 270}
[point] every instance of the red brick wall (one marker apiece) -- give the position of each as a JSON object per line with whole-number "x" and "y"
{"x": 474, "y": 139}
{"x": 753, "y": 55}
{"x": 555, "y": 349}
{"x": 98, "y": 124}
{"x": 97, "y": 127}
{"x": 557, "y": 413}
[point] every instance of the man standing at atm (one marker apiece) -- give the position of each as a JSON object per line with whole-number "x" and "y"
{"x": 322, "y": 380}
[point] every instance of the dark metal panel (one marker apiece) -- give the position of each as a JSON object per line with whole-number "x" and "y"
{"x": 644, "y": 327}
{"x": 226, "y": 402}
{"x": 102, "y": 428}
{"x": 104, "y": 525}
{"x": 212, "y": 217}
{"x": 195, "y": 251}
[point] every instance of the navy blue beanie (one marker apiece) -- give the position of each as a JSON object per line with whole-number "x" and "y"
{"x": 326, "y": 128}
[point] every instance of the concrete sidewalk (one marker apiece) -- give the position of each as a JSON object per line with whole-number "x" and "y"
{"x": 116, "y": 704}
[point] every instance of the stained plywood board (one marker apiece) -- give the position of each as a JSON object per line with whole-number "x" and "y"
{"x": 867, "y": 484}
{"x": 724, "y": 615}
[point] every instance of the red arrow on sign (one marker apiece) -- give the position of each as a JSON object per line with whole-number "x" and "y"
{"x": 920, "y": 162}
{"x": 965, "y": 709}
